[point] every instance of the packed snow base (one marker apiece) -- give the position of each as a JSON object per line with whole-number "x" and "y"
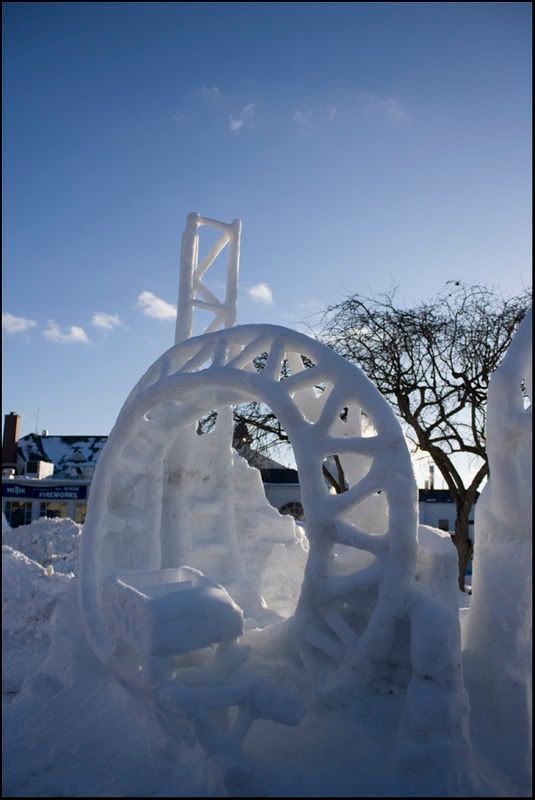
{"x": 357, "y": 693}
{"x": 71, "y": 721}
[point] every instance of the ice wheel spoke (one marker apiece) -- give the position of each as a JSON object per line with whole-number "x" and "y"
{"x": 336, "y": 586}
{"x": 305, "y": 379}
{"x": 202, "y": 355}
{"x": 332, "y": 407}
{"x": 248, "y": 353}
{"x": 351, "y": 536}
{"x": 272, "y": 369}
{"x": 370, "y": 484}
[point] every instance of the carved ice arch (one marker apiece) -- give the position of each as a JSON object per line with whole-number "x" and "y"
{"x": 215, "y": 370}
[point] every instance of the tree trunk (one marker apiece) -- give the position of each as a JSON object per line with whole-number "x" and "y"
{"x": 462, "y": 541}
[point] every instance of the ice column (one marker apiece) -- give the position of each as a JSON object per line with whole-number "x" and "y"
{"x": 497, "y": 630}
{"x": 176, "y": 519}
{"x": 192, "y": 293}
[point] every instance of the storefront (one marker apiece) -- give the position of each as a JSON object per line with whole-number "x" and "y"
{"x": 27, "y": 499}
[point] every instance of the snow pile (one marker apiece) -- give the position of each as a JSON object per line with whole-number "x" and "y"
{"x": 74, "y": 731}
{"x": 54, "y": 542}
{"x": 30, "y": 594}
{"x": 87, "y": 731}
{"x": 38, "y": 564}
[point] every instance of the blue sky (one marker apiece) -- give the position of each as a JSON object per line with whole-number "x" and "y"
{"x": 363, "y": 145}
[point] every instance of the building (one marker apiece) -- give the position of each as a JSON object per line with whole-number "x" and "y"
{"x": 437, "y": 509}
{"x": 50, "y": 476}
{"x": 46, "y": 476}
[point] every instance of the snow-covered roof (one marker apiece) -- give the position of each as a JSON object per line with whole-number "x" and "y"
{"x": 68, "y": 453}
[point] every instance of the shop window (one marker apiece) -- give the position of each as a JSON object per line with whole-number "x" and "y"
{"x": 294, "y": 509}
{"x": 18, "y": 513}
{"x": 443, "y": 524}
{"x": 53, "y": 509}
{"x": 80, "y": 511}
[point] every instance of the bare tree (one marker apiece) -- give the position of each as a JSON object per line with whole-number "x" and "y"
{"x": 433, "y": 362}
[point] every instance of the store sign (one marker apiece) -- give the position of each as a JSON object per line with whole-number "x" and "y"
{"x": 21, "y": 491}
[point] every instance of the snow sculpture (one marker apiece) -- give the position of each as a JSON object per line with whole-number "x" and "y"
{"x": 163, "y": 498}
{"x": 122, "y": 530}
{"x": 124, "y": 552}
{"x": 191, "y": 275}
{"x": 497, "y": 629}
{"x": 434, "y": 747}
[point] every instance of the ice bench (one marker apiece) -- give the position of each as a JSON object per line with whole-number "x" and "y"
{"x": 169, "y": 611}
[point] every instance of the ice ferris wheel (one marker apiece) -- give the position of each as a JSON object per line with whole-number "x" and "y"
{"x": 213, "y": 371}
{"x": 311, "y": 390}
{"x": 179, "y": 532}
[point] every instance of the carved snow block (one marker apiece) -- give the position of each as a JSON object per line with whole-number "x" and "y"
{"x": 170, "y": 611}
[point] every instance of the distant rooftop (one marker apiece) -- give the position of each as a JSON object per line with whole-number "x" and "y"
{"x": 69, "y": 454}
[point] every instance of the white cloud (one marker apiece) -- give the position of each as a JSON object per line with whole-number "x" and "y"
{"x": 54, "y": 334}
{"x": 209, "y": 91}
{"x": 245, "y": 116}
{"x": 302, "y": 118}
{"x": 261, "y": 293}
{"x": 390, "y": 107}
{"x": 13, "y": 324}
{"x": 330, "y": 112}
{"x": 102, "y": 320}
{"x": 177, "y": 116}
{"x": 155, "y": 307}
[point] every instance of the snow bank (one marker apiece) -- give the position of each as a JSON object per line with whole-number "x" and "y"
{"x": 54, "y": 542}
{"x": 38, "y": 564}
{"x": 30, "y": 593}
{"x": 74, "y": 731}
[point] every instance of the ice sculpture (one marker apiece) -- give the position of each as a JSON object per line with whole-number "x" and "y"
{"x": 169, "y": 583}
{"x": 123, "y": 525}
{"x": 498, "y": 628}
{"x": 192, "y": 273}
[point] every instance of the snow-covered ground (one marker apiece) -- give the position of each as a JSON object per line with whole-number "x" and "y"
{"x": 37, "y": 569}
{"x": 104, "y": 744}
